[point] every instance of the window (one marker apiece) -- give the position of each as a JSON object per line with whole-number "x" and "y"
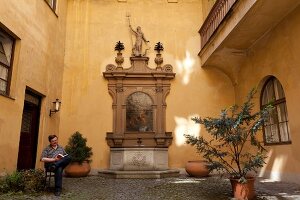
{"x": 52, "y": 4}
{"x": 276, "y": 129}
{"x": 6, "y": 52}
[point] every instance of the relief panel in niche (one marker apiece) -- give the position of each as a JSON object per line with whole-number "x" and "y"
{"x": 139, "y": 113}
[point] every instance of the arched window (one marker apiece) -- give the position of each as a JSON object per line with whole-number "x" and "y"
{"x": 139, "y": 113}
{"x": 276, "y": 129}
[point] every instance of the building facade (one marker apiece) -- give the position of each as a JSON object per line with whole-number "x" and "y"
{"x": 59, "y": 49}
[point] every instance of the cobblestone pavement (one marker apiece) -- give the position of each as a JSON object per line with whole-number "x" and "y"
{"x": 181, "y": 188}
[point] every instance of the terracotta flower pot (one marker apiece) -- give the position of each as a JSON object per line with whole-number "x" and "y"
{"x": 74, "y": 169}
{"x": 243, "y": 191}
{"x": 197, "y": 168}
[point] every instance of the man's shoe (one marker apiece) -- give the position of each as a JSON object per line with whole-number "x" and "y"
{"x": 57, "y": 193}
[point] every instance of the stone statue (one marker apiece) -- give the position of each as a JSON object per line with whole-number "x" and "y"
{"x": 139, "y": 35}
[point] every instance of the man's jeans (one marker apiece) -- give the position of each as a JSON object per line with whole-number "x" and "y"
{"x": 59, "y": 167}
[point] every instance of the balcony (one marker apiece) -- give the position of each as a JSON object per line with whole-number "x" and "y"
{"x": 217, "y": 14}
{"x": 233, "y": 26}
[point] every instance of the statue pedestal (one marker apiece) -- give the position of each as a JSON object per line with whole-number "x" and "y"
{"x": 139, "y": 163}
{"x": 139, "y": 174}
{"x": 138, "y": 159}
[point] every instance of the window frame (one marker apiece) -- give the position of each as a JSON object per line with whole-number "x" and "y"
{"x": 10, "y": 67}
{"x": 275, "y": 104}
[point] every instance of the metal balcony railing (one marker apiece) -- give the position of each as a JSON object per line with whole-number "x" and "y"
{"x": 214, "y": 19}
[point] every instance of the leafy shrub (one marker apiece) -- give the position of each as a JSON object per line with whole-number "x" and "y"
{"x": 4, "y": 188}
{"x": 32, "y": 180}
{"x": 77, "y": 148}
{"x": 15, "y": 181}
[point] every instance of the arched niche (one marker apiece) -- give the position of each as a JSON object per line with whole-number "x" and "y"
{"x": 139, "y": 112}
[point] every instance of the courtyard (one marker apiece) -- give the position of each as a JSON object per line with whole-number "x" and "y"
{"x": 180, "y": 188}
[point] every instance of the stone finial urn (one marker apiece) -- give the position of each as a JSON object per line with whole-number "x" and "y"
{"x": 158, "y": 59}
{"x": 119, "y": 59}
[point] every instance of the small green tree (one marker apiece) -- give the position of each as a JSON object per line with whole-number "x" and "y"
{"x": 77, "y": 148}
{"x": 234, "y": 130}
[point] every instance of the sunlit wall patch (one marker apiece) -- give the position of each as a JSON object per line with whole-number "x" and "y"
{"x": 185, "y": 68}
{"x": 185, "y": 126}
{"x": 277, "y": 168}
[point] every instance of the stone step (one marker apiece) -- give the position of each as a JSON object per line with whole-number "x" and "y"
{"x": 139, "y": 174}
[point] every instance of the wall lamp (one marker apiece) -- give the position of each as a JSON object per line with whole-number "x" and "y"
{"x": 56, "y": 107}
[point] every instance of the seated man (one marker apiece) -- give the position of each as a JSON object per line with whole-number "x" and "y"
{"x": 56, "y": 159}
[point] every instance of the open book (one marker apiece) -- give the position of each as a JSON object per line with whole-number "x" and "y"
{"x": 61, "y": 156}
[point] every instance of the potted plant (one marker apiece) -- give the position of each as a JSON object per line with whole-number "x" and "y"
{"x": 197, "y": 168}
{"x": 80, "y": 154}
{"x": 233, "y": 147}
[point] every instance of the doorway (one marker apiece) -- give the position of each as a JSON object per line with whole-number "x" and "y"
{"x": 29, "y": 131}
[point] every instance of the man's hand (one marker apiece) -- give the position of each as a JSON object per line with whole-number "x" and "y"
{"x": 49, "y": 159}
{"x": 57, "y": 158}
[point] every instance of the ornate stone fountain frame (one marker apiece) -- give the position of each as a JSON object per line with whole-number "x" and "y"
{"x": 139, "y": 150}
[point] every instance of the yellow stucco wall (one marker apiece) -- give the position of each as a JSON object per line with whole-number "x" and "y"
{"x": 63, "y": 56}
{"x": 93, "y": 28}
{"x": 38, "y": 64}
{"x": 206, "y": 7}
{"x": 277, "y": 54}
